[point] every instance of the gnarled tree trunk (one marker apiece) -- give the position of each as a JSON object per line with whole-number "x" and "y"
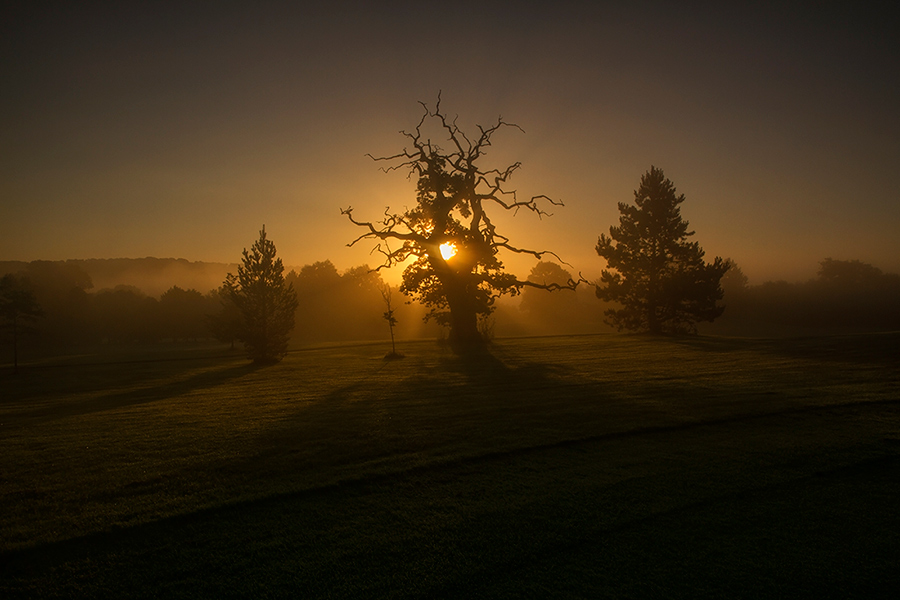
{"x": 464, "y": 332}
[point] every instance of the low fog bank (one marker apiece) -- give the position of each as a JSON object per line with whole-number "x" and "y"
{"x": 129, "y": 301}
{"x": 846, "y": 296}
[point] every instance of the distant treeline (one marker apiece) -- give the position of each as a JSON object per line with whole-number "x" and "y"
{"x": 152, "y": 276}
{"x": 845, "y": 296}
{"x": 345, "y": 306}
{"x": 333, "y": 306}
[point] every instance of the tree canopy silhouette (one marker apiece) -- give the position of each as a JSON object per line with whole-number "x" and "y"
{"x": 18, "y": 309}
{"x": 550, "y": 313}
{"x": 125, "y": 314}
{"x": 183, "y": 313}
{"x": 337, "y": 305}
{"x": 61, "y": 289}
{"x": 226, "y": 323}
{"x": 448, "y": 234}
{"x": 266, "y": 303}
{"x": 658, "y": 277}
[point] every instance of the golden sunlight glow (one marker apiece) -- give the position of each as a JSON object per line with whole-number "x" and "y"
{"x": 448, "y": 249}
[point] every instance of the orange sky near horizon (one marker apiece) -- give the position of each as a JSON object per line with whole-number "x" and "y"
{"x": 180, "y": 131}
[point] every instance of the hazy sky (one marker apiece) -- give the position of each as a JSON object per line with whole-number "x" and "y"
{"x": 179, "y": 131}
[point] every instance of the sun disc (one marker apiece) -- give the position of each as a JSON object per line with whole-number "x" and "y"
{"x": 448, "y": 250}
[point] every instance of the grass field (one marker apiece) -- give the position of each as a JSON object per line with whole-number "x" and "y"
{"x": 569, "y": 467}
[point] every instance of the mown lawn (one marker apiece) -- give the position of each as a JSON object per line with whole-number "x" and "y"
{"x": 595, "y": 466}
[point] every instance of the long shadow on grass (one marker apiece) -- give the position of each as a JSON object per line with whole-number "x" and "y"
{"x": 485, "y": 368}
{"x": 166, "y": 388}
{"x": 395, "y": 416}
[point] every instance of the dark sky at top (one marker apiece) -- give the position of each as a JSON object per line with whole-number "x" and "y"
{"x": 178, "y": 129}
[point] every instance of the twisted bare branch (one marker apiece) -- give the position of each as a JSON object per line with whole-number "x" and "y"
{"x": 453, "y": 191}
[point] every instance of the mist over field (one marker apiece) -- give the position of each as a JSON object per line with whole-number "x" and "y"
{"x": 126, "y": 301}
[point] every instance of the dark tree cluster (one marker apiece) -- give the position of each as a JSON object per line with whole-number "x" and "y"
{"x": 61, "y": 289}
{"x": 19, "y": 310}
{"x": 126, "y": 315}
{"x": 562, "y": 312}
{"x": 331, "y": 306}
{"x": 69, "y": 314}
{"x": 846, "y": 295}
{"x": 337, "y": 306}
{"x": 153, "y": 276}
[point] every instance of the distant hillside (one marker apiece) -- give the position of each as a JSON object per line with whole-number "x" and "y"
{"x": 11, "y": 266}
{"x": 155, "y": 275}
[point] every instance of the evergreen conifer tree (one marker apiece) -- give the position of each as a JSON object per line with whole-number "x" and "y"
{"x": 266, "y": 303}
{"x": 658, "y": 278}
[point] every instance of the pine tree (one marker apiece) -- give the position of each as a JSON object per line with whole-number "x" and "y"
{"x": 266, "y": 304}
{"x": 658, "y": 277}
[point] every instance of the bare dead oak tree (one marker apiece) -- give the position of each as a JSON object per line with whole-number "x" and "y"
{"x": 449, "y": 234}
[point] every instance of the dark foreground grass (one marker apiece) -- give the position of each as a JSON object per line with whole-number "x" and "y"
{"x": 599, "y": 466}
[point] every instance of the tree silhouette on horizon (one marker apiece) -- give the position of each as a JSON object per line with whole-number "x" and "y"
{"x": 454, "y": 195}
{"x": 657, "y": 276}
{"x": 266, "y": 303}
{"x": 18, "y": 308}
